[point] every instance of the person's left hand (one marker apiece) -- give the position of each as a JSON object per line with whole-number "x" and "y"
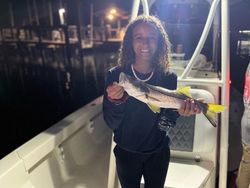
{"x": 189, "y": 107}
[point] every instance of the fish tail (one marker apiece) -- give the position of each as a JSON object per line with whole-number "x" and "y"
{"x": 213, "y": 109}
{"x": 210, "y": 116}
{"x": 216, "y": 108}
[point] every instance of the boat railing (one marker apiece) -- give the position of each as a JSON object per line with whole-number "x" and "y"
{"x": 72, "y": 153}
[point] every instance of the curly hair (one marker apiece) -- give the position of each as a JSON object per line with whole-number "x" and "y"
{"x": 160, "y": 59}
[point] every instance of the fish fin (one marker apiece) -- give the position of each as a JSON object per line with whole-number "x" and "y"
{"x": 211, "y": 111}
{"x": 154, "y": 108}
{"x": 185, "y": 91}
{"x": 216, "y": 108}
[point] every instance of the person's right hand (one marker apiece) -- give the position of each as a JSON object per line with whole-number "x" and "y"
{"x": 115, "y": 91}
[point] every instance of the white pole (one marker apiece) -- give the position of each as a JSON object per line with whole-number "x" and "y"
{"x": 216, "y": 30}
{"x": 202, "y": 38}
{"x": 225, "y": 61}
{"x": 135, "y": 9}
{"x": 145, "y": 7}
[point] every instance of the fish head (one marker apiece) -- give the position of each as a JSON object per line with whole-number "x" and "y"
{"x": 129, "y": 83}
{"x": 138, "y": 90}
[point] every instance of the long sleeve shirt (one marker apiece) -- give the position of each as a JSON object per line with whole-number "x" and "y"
{"x": 135, "y": 126}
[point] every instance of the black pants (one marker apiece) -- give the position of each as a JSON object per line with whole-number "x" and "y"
{"x": 131, "y": 166}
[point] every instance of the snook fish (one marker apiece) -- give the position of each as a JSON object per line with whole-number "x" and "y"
{"x": 158, "y": 97}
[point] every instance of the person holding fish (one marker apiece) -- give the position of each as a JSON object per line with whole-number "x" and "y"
{"x": 140, "y": 127}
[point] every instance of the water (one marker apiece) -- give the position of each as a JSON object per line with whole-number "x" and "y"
{"x": 35, "y": 93}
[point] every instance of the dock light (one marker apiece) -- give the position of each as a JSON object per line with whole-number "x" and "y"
{"x": 61, "y": 11}
{"x": 113, "y": 11}
{"x": 110, "y": 16}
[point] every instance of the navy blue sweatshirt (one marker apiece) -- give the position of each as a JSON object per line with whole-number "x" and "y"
{"x": 135, "y": 126}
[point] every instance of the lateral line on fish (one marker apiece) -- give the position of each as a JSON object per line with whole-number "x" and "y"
{"x": 170, "y": 94}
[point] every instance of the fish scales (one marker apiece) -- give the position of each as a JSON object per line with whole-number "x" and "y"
{"x": 158, "y": 97}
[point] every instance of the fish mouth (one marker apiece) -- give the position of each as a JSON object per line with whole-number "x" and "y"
{"x": 122, "y": 78}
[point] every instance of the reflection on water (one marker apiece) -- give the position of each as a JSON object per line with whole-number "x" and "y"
{"x": 37, "y": 91}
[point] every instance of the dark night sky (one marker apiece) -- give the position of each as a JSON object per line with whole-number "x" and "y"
{"x": 238, "y": 10}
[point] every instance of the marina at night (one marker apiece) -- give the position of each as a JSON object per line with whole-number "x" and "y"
{"x": 54, "y": 59}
